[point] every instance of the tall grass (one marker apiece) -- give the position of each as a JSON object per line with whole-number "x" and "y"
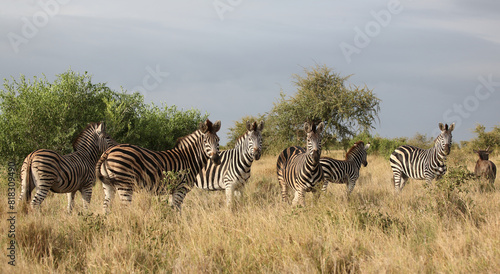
{"x": 444, "y": 227}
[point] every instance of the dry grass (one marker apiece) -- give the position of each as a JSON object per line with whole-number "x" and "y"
{"x": 425, "y": 229}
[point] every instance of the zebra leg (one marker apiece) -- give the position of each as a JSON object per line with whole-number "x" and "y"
{"x": 299, "y": 198}
{"x": 178, "y": 196}
{"x": 229, "y": 195}
{"x": 71, "y": 201}
{"x": 41, "y": 192}
{"x": 397, "y": 180}
{"x": 284, "y": 191}
{"x": 316, "y": 194}
{"x": 125, "y": 194}
{"x": 109, "y": 194}
{"x": 86, "y": 196}
{"x": 350, "y": 186}
{"x": 325, "y": 185}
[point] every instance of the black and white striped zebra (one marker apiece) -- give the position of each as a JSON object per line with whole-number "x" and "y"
{"x": 48, "y": 170}
{"x": 345, "y": 171}
{"x": 234, "y": 170}
{"x": 421, "y": 164}
{"x": 125, "y": 167}
{"x": 299, "y": 168}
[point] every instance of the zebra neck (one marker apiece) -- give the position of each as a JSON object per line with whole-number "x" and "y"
{"x": 90, "y": 152}
{"x": 241, "y": 148}
{"x": 437, "y": 155}
{"x": 191, "y": 147}
{"x": 355, "y": 160}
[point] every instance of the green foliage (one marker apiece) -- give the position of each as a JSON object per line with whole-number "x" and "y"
{"x": 38, "y": 114}
{"x": 378, "y": 145}
{"x": 451, "y": 192}
{"x": 158, "y": 128}
{"x": 323, "y": 95}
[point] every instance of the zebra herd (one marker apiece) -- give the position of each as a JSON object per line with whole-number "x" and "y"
{"x": 124, "y": 168}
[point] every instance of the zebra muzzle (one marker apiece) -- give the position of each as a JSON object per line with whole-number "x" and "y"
{"x": 256, "y": 154}
{"x": 215, "y": 158}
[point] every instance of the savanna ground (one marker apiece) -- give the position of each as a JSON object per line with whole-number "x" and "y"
{"x": 452, "y": 226}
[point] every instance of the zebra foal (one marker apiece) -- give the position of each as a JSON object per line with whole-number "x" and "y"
{"x": 234, "y": 170}
{"x": 299, "y": 168}
{"x": 48, "y": 170}
{"x": 345, "y": 171}
{"x": 125, "y": 167}
{"x": 422, "y": 164}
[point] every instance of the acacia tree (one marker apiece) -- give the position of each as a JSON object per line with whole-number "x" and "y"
{"x": 322, "y": 95}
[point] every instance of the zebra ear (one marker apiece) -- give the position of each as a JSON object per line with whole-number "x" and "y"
{"x": 307, "y": 127}
{"x": 320, "y": 127}
{"x": 441, "y": 127}
{"x": 452, "y": 127}
{"x": 260, "y": 126}
{"x": 367, "y": 146}
{"x": 249, "y": 126}
{"x": 203, "y": 126}
{"x": 101, "y": 127}
{"x": 216, "y": 126}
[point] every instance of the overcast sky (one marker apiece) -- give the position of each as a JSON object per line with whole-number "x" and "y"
{"x": 428, "y": 61}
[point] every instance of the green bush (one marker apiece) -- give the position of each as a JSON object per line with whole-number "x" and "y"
{"x": 38, "y": 114}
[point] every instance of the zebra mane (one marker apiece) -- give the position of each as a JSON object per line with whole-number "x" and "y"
{"x": 183, "y": 139}
{"x": 353, "y": 149}
{"x": 89, "y": 128}
{"x": 241, "y": 139}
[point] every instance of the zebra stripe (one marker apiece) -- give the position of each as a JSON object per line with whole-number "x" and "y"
{"x": 234, "y": 170}
{"x": 421, "y": 164}
{"x": 48, "y": 170}
{"x": 125, "y": 167}
{"x": 299, "y": 168}
{"x": 345, "y": 171}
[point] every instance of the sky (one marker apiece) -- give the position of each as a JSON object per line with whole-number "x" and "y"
{"x": 428, "y": 61}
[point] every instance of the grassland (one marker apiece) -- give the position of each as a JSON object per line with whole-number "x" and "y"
{"x": 439, "y": 228}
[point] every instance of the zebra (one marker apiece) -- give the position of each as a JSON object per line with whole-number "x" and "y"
{"x": 125, "y": 167}
{"x": 299, "y": 168}
{"x": 345, "y": 171}
{"x": 421, "y": 164}
{"x": 234, "y": 170}
{"x": 48, "y": 170}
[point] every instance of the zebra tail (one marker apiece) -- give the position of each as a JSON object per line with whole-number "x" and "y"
{"x": 27, "y": 182}
{"x": 98, "y": 175}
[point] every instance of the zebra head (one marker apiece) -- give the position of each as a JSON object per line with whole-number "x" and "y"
{"x": 95, "y": 138}
{"x": 443, "y": 141}
{"x": 254, "y": 132}
{"x": 358, "y": 153}
{"x": 211, "y": 140}
{"x": 314, "y": 140}
{"x": 104, "y": 141}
